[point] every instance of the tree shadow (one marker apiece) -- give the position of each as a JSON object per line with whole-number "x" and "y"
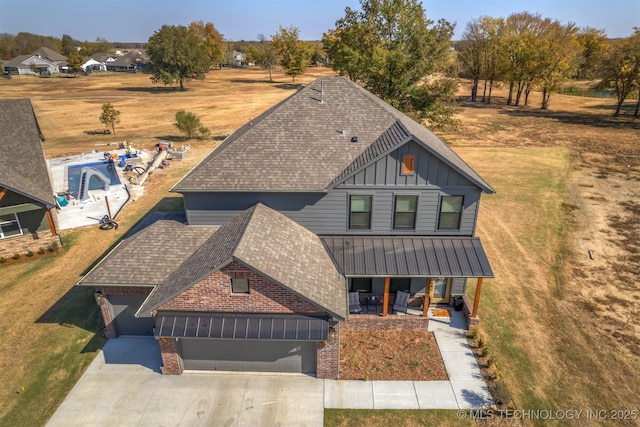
{"x": 153, "y": 90}
{"x": 289, "y": 86}
{"x": 607, "y": 121}
{"x": 250, "y": 81}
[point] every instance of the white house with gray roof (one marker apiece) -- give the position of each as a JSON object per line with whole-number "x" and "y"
{"x": 328, "y": 195}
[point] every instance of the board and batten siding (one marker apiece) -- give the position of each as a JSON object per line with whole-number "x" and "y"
{"x": 387, "y": 171}
{"x": 328, "y": 213}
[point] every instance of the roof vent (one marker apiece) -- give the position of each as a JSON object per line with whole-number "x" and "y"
{"x": 354, "y": 139}
{"x": 342, "y": 132}
{"x": 321, "y": 91}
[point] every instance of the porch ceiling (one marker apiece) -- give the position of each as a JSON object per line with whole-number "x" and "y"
{"x": 399, "y": 256}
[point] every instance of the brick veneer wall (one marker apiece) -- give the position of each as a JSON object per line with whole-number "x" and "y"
{"x": 27, "y": 242}
{"x": 467, "y": 310}
{"x": 374, "y": 322}
{"x": 170, "y": 359}
{"x": 109, "y": 330}
{"x": 214, "y": 294}
{"x": 328, "y": 355}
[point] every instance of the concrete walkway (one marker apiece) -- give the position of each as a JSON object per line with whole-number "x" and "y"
{"x": 466, "y": 389}
{"x": 123, "y": 386}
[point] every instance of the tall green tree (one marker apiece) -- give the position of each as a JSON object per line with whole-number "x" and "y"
{"x": 264, "y": 54}
{"x": 592, "y": 42}
{"x": 295, "y": 54}
{"x": 110, "y": 116}
{"x": 75, "y": 60}
{"x": 390, "y": 47}
{"x": 176, "y": 55}
{"x": 211, "y": 39}
{"x": 472, "y": 54}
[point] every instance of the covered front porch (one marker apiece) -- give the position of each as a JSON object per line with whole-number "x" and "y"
{"x": 397, "y": 276}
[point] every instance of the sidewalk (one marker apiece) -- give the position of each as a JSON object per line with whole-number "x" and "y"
{"x": 465, "y": 389}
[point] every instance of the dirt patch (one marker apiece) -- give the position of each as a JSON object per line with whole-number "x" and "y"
{"x": 390, "y": 356}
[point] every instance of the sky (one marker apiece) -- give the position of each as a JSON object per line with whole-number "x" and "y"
{"x": 136, "y": 20}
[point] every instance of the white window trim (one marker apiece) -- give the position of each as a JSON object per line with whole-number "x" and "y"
{"x": 17, "y": 221}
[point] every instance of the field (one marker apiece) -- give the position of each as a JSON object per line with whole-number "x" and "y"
{"x": 561, "y": 328}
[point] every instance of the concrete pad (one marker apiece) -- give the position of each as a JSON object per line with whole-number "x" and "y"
{"x": 394, "y": 395}
{"x": 435, "y": 395}
{"x": 472, "y": 394}
{"x": 451, "y": 340}
{"x": 348, "y": 394}
{"x": 461, "y": 365}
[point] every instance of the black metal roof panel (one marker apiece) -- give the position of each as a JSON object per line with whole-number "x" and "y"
{"x": 408, "y": 256}
{"x": 242, "y": 326}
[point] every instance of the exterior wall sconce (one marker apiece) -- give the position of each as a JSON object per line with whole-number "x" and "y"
{"x": 99, "y": 298}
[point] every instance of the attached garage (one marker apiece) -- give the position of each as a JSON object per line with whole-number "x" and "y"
{"x": 248, "y": 355}
{"x": 123, "y": 309}
{"x": 245, "y": 342}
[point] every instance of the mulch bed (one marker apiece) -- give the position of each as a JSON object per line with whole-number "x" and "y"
{"x": 390, "y": 356}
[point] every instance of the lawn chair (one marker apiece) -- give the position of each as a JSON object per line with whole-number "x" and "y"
{"x": 354, "y": 302}
{"x": 401, "y": 303}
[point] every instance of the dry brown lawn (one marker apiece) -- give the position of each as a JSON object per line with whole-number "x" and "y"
{"x": 561, "y": 328}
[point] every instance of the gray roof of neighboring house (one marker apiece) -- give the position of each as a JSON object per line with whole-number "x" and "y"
{"x": 148, "y": 256}
{"x": 304, "y": 143}
{"x": 271, "y": 244}
{"x": 50, "y": 54}
{"x": 17, "y": 62}
{"x": 404, "y": 256}
{"x": 101, "y": 56}
{"x": 23, "y": 167}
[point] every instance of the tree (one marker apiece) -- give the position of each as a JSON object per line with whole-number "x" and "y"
{"x": 68, "y": 44}
{"x": 189, "y": 124}
{"x": 75, "y": 60}
{"x": 472, "y": 53}
{"x": 264, "y": 54}
{"x": 591, "y": 42}
{"x": 295, "y": 54}
{"x": 110, "y": 116}
{"x": 177, "y": 54}
{"x": 620, "y": 67}
{"x": 211, "y": 39}
{"x": 390, "y": 47}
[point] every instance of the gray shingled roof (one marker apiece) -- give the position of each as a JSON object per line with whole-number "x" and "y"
{"x": 305, "y": 143}
{"x": 149, "y": 256}
{"x": 50, "y": 54}
{"x": 271, "y": 244}
{"x": 23, "y": 167}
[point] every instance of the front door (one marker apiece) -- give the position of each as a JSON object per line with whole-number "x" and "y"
{"x": 440, "y": 291}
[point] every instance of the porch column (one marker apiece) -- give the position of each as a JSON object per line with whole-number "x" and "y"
{"x": 50, "y": 219}
{"x": 476, "y": 299}
{"x": 425, "y": 303}
{"x": 385, "y": 298}
{"x": 2, "y": 193}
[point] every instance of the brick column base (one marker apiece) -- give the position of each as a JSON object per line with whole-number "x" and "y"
{"x": 328, "y": 354}
{"x": 170, "y": 359}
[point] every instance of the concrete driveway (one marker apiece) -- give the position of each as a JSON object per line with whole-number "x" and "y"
{"x": 123, "y": 387}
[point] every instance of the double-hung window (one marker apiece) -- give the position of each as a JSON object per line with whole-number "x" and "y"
{"x": 9, "y": 226}
{"x": 360, "y": 212}
{"x": 450, "y": 212}
{"x": 405, "y": 213}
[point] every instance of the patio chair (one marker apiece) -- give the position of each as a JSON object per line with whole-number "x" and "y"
{"x": 354, "y": 302}
{"x": 401, "y": 303}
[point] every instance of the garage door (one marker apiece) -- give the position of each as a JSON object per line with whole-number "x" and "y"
{"x": 123, "y": 309}
{"x": 248, "y": 355}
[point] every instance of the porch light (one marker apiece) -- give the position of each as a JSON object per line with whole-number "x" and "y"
{"x": 99, "y": 298}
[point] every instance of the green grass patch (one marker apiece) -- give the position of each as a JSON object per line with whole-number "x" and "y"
{"x": 392, "y": 417}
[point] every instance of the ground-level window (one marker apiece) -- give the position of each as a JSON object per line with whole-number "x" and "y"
{"x": 239, "y": 286}
{"x": 9, "y": 226}
{"x": 360, "y": 212}
{"x": 400, "y": 284}
{"x": 361, "y": 284}
{"x": 405, "y": 213}
{"x": 450, "y": 212}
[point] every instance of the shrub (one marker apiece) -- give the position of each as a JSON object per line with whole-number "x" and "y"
{"x": 30, "y": 254}
{"x": 189, "y": 124}
{"x": 41, "y": 251}
{"x": 53, "y": 247}
{"x": 2, "y": 260}
{"x": 16, "y": 256}
{"x": 501, "y": 393}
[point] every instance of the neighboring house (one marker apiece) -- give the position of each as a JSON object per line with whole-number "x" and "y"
{"x": 91, "y": 65}
{"x": 43, "y": 61}
{"x": 27, "y": 209}
{"x": 130, "y": 62}
{"x": 103, "y": 57}
{"x": 329, "y": 192}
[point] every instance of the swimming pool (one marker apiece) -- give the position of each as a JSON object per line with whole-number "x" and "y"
{"x": 108, "y": 169}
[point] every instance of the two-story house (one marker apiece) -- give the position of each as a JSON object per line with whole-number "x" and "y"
{"x": 330, "y": 192}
